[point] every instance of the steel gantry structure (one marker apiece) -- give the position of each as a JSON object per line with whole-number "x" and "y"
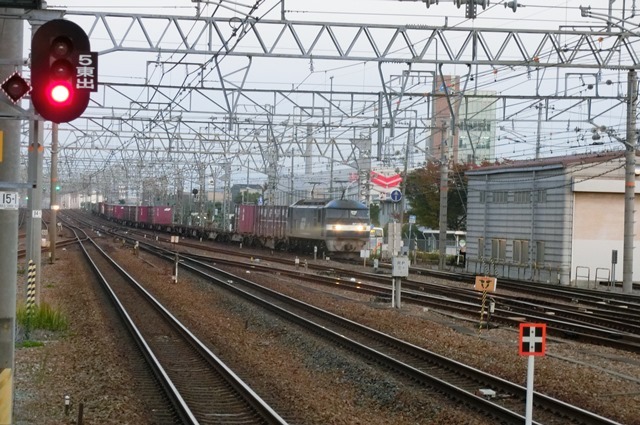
{"x": 198, "y": 97}
{"x": 218, "y": 112}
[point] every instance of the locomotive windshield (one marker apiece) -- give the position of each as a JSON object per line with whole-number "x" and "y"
{"x": 347, "y": 215}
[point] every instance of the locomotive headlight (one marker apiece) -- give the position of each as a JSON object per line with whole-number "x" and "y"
{"x": 337, "y": 227}
{"x": 360, "y": 228}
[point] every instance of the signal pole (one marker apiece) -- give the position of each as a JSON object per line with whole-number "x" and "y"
{"x": 35, "y": 155}
{"x": 11, "y": 60}
{"x": 53, "y": 196}
{"x": 34, "y": 203}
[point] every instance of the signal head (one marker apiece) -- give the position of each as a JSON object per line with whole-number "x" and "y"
{"x": 56, "y": 49}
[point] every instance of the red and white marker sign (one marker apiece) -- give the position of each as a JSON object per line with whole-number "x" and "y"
{"x": 533, "y": 338}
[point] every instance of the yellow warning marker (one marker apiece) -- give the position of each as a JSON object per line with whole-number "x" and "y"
{"x": 6, "y": 397}
{"x": 486, "y": 283}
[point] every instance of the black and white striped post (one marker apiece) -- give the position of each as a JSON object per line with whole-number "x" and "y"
{"x": 482, "y": 309}
{"x": 31, "y": 295}
{"x": 485, "y": 284}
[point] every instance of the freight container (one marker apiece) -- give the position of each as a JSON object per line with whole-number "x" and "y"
{"x": 101, "y": 208}
{"x": 271, "y": 221}
{"x": 245, "y": 219}
{"x": 142, "y": 214}
{"x": 118, "y": 212}
{"x": 130, "y": 213}
{"x": 161, "y": 215}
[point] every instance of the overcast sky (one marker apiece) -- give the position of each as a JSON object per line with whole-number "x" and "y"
{"x": 321, "y": 75}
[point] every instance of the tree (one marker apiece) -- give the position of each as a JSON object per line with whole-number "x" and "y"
{"x": 423, "y": 194}
{"x": 245, "y": 197}
{"x": 374, "y": 213}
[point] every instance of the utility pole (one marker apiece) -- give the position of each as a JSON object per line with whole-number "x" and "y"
{"x": 630, "y": 182}
{"x": 10, "y": 61}
{"x": 291, "y": 197}
{"x": 202, "y": 168}
{"x": 444, "y": 197}
{"x": 538, "y": 136}
{"x": 331, "y": 139}
{"x": 403, "y": 183}
{"x": 331, "y": 169}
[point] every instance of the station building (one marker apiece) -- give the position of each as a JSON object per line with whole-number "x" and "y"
{"x": 554, "y": 220}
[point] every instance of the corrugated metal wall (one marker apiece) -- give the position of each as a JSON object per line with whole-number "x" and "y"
{"x": 527, "y": 208}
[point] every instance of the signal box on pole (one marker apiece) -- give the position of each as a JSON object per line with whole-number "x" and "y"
{"x": 63, "y": 71}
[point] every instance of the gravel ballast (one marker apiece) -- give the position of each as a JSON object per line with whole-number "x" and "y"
{"x": 311, "y": 381}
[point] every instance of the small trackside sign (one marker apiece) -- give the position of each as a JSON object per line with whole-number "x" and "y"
{"x": 533, "y": 339}
{"x": 8, "y": 200}
{"x": 400, "y": 267}
{"x": 486, "y": 283}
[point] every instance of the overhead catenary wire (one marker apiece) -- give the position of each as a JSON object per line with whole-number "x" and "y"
{"x": 487, "y": 84}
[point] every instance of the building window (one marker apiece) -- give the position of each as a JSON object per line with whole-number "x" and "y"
{"x": 480, "y": 247}
{"x": 498, "y": 249}
{"x": 521, "y": 251}
{"x": 540, "y": 196}
{"x": 500, "y": 197}
{"x": 483, "y": 196}
{"x": 521, "y": 197}
{"x": 540, "y": 252}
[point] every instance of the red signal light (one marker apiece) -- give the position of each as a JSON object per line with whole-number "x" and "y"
{"x": 60, "y": 94}
{"x": 62, "y": 71}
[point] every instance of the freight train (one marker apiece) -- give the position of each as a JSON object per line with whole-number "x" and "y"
{"x": 156, "y": 218}
{"x": 337, "y": 228}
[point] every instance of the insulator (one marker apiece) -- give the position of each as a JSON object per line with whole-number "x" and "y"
{"x": 513, "y": 5}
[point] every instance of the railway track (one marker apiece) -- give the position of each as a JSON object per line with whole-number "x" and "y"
{"x": 333, "y": 280}
{"x": 434, "y": 372}
{"x": 60, "y": 244}
{"x": 200, "y": 388}
{"x": 590, "y": 318}
{"x": 564, "y": 321}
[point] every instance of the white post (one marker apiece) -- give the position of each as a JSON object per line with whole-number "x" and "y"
{"x": 529, "y": 408}
{"x": 393, "y": 292}
{"x": 176, "y": 273}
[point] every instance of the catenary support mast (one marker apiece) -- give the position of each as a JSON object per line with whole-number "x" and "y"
{"x": 630, "y": 182}
{"x": 11, "y": 60}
